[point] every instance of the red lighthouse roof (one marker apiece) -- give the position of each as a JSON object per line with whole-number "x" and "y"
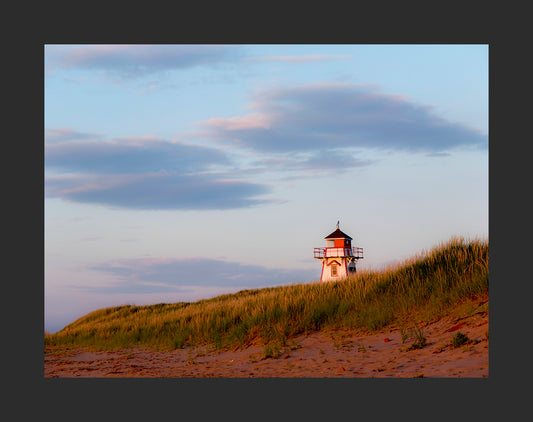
{"x": 337, "y": 234}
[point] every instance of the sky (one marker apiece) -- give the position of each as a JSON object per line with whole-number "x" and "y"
{"x": 175, "y": 173}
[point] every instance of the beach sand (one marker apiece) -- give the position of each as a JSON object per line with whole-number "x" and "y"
{"x": 323, "y": 354}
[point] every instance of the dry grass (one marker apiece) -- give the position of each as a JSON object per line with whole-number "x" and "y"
{"x": 421, "y": 288}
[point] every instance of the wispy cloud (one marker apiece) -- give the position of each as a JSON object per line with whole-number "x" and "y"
{"x": 169, "y": 274}
{"x": 62, "y": 134}
{"x": 299, "y": 58}
{"x": 325, "y": 116}
{"x": 249, "y": 121}
{"x": 137, "y": 60}
{"x": 331, "y": 160}
{"x": 308, "y": 164}
{"x": 438, "y": 154}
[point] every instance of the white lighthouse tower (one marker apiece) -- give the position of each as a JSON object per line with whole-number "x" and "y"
{"x": 338, "y": 257}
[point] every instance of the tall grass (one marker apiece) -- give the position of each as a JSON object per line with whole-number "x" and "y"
{"x": 423, "y": 287}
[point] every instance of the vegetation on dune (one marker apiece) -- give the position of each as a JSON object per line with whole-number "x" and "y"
{"x": 422, "y": 288}
{"x": 460, "y": 339}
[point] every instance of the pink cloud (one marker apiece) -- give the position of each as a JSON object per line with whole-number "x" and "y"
{"x": 328, "y": 115}
{"x": 250, "y": 121}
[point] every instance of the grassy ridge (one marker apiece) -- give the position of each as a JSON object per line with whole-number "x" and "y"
{"x": 424, "y": 287}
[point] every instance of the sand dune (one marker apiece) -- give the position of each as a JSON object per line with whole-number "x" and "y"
{"x": 320, "y": 354}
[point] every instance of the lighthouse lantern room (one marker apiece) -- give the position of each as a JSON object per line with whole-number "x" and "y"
{"x": 339, "y": 257}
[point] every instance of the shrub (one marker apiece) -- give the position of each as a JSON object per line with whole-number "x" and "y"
{"x": 271, "y": 350}
{"x": 459, "y": 339}
{"x": 420, "y": 339}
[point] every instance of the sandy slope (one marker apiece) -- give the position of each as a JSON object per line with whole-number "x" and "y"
{"x": 321, "y": 354}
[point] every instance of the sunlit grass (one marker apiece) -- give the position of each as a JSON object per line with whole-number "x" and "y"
{"x": 422, "y": 288}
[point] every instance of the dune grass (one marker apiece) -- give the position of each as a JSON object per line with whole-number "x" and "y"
{"x": 422, "y": 288}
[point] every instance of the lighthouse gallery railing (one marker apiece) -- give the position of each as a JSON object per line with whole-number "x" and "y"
{"x": 338, "y": 252}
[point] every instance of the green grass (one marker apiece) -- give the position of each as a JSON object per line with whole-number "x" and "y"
{"x": 422, "y": 288}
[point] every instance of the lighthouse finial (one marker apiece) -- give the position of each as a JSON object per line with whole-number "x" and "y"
{"x": 337, "y": 223}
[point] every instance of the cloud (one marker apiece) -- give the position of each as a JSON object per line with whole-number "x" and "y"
{"x": 150, "y": 191}
{"x": 331, "y": 160}
{"x": 130, "y": 155}
{"x": 438, "y": 154}
{"x": 61, "y": 134}
{"x": 324, "y": 116}
{"x": 250, "y": 121}
{"x": 309, "y": 164}
{"x": 137, "y": 60}
{"x": 151, "y": 275}
{"x": 145, "y": 173}
{"x": 299, "y": 59}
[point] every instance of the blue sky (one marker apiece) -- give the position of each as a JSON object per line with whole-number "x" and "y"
{"x": 180, "y": 172}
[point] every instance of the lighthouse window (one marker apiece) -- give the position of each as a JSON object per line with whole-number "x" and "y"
{"x": 334, "y": 270}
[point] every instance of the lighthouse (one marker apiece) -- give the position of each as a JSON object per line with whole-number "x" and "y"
{"x": 338, "y": 257}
